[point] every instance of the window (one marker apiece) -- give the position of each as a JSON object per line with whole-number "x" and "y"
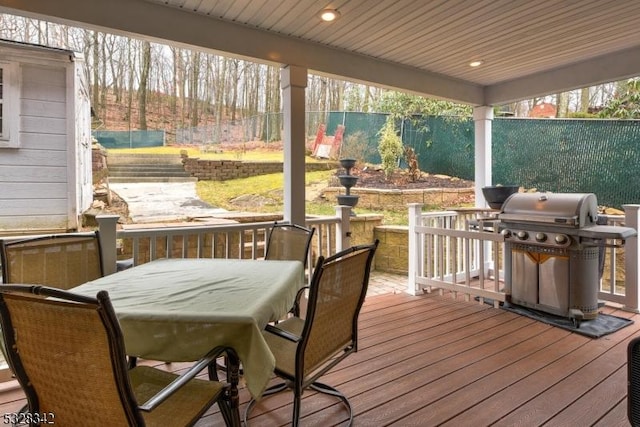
{"x": 9, "y": 103}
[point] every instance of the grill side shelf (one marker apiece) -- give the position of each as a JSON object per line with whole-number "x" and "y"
{"x": 540, "y": 219}
{"x": 607, "y": 232}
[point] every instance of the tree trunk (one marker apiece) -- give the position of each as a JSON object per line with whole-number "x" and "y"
{"x": 585, "y": 100}
{"x": 129, "y": 111}
{"x": 173, "y": 106}
{"x": 142, "y": 89}
{"x": 234, "y": 89}
{"x": 103, "y": 80}
{"x": 96, "y": 74}
{"x": 193, "y": 91}
{"x": 562, "y": 104}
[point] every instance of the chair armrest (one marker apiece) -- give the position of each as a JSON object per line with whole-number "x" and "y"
{"x": 295, "y": 310}
{"x": 184, "y": 378}
{"x": 282, "y": 333}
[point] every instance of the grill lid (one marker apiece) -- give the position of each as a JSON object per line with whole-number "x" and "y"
{"x": 576, "y": 210}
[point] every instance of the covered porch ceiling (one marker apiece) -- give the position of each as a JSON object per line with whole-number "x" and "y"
{"x": 527, "y": 48}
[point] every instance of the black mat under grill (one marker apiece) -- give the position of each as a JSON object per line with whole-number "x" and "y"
{"x": 602, "y": 325}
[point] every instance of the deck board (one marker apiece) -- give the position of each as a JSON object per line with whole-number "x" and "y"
{"x": 434, "y": 360}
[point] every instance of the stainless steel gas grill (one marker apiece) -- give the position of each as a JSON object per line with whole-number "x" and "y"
{"x": 552, "y": 249}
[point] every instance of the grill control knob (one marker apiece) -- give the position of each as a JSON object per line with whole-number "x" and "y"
{"x": 541, "y": 237}
{"x": 506, "y": 233}
{"x": 561, "y": 239}
{"x": 523, "y": 235}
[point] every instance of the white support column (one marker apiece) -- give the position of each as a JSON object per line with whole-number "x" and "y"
{"x": 482, "y": 117}
{"x": 294, "y": 82}
{"x": 631, "y": 259}
{"x": 415, "y": 248}
{"x": 107, "y": 229}
{"x": 343, "y": 237}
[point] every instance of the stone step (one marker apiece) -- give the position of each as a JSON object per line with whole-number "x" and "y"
{"x": 146, "y": 166}
{"x": 142, "y": 169}
{"x": 125, "y": 168}
{"x": 161, "y": 159}
{"x": 149, "y": 173}
{"x": 128, "y": 179}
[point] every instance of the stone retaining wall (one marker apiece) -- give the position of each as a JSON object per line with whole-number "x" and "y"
{"x": 98, "y": 163}
{"x": 392, "y": 255}
{"x": 222, "y": 170}
{"x": 399, "y": 199}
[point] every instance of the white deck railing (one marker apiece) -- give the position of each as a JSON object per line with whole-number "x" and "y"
{"x": 462, "y": 252}
{"x": 458, "y": 251}
{"x": 240, "y": 241}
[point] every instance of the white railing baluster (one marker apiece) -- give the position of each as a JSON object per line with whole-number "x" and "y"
{"x": 228, "y": 240}
{"x": 451, "y": 251}
{"x": 443, "y": 242}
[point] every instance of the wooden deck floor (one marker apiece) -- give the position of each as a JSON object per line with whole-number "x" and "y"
{"x": 431, "y": 360}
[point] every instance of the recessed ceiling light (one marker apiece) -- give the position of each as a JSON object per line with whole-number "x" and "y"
{"x": 475, "y": 63}
{"x": 329, "y": 15}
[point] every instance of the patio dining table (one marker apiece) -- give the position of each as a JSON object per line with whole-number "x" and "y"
{"x": 177, "y": 310}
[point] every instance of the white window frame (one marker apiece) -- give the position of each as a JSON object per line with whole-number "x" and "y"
{"x": 10, "y": 104}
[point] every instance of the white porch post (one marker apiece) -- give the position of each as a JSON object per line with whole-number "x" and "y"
{"x": 482, "y": 117}
{"x": 343, "y": 237}
{"x": 107, "y": 229}
{"x": 294, "y": 82}
{"x": 631, "y": 259}
{"x": 415, "y": 248}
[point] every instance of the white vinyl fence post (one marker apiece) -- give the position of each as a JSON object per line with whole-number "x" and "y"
{"x": 343, "y": 236}
{"x": 107, "y": 230}
{"x": 415, "y": 248}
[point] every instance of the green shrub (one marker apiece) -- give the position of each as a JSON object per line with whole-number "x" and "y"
{"x": 390, "y": 146}
{"x": 356, "y": 146}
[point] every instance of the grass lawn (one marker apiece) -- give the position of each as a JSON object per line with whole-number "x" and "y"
{"x": 270, "y": 187}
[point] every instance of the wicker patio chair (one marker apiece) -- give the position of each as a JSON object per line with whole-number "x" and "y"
{"x": 289, "y": 242}
{"x": 60, "y": 260}
{"x": 306, "y": 348}
{"x": 67, "y": 352}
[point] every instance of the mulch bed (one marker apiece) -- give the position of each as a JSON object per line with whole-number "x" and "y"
{"x": 370, "y": 177}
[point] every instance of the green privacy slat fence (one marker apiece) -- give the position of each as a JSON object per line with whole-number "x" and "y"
{"x": 369, "y": 124}
{"x": 594, "y": 156}
{"x": 443, "y": 145}
{"x": 130, "y": 139}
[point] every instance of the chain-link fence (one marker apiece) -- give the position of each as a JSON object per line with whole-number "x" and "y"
{"x": 130, "y": 139}
{"x": 263, "y": 127}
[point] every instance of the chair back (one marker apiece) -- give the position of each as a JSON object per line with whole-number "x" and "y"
{"x": 633, "y": 382}
{"x": 336, "y": 295}
{"x": 289, "y": 242}
{"x": 60, "y": 260}
{"x": 67, "y": 352}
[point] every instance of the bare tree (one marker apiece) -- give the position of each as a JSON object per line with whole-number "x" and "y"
{"x": 142, "y": 88}
{"x": 131, "y": 60}
{"x": 193, "y": 88}
{"x": 95, "y": 93}
{"x": 562, "y": 104}
{"x": 235, "y": 77}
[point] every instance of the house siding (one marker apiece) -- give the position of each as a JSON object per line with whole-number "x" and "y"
{"x": 38, "y": 190}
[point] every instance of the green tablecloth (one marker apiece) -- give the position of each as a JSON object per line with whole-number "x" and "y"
{"x": 179, "y": 309}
